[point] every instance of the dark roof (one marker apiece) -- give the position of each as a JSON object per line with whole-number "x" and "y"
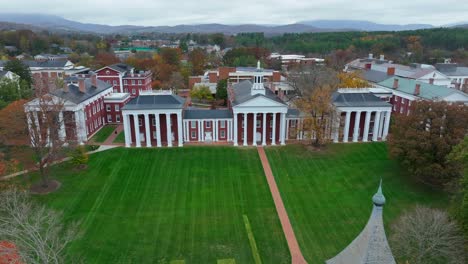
{"x": 452, "y": 69}
{"x": 358, "y": 100}
{"x": 45, "y": 64}
{"x": 120, "y": 67}
{"x": 207, "y": 114}
{"x": 157, "y": 101}
{"x": 293, "y": 112}
{"x": 242, "y": 93}
{"x": 3, "y": 73}
{"x": 76, "y": 96}
{"x": 375, "y": 76}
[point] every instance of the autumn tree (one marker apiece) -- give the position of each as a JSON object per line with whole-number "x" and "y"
{"x": 13, "y": 128}
{"x": 313, "y": 87}
{"x": 425, "y": 235}
{"x": 422, "y": 140}
{"x": 175, "y": 82}
{"x": 352, "y": 80}
{"x": 171, "y": 56}
{"x": 103, "y": 59}
{"x": 198, "y": 59}
{"x": 45, "y": 119}
{"x": 201, "y": 92}
{"x": 38, "y": 233}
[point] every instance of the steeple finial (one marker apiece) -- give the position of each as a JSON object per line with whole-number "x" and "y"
{"x": 378, "y": 198}
{"x": 258, "y": 65}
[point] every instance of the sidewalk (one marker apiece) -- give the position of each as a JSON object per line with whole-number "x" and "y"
{"x": 111, "y": 138}
{"x": 294, "y": 249}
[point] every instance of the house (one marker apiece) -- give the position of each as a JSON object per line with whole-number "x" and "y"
{"x": 419, "y": 72}
{"x": 458, "y": 75}
{"x": 125, "y": 78}
{"x": 83, "y": 107}
{"x": 288, "y": 60}
{"x": 405, "y": 91}
{"x": 9, "y": 75}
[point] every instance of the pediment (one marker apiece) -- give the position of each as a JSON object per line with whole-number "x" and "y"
{"x": 261, "y": 101}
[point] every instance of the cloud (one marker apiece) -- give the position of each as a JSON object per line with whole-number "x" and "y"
{"x": 163, "y": 12}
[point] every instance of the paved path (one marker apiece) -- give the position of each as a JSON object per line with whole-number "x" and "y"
{"x": 294, "y": 249}
{"x": 115, "y": 133}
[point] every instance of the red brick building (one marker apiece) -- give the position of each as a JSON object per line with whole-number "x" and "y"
{"x": 125, "y": 78}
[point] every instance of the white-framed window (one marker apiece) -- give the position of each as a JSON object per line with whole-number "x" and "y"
{"x": 242, "y": 135}
{"x": 133, "y": 91}
{"x": 125, "y": 82}
{"x": 259, "y": 123}
{"x": 222, "y": 134}
{"x": 223, "y": 123}
{"x": 401, "y": 110}
{"x": 115, "y": 82}
{"x": 94, "y": 109}
{"x": 293, "y": 123}
{"x": 107, "y": 72}
{"x": 154, "y": 134}
{"x": 139, "y": 82}
{"x": 193, "y": 124}
{"x": 208, "y": 124}
{"x": 193, "y": 134}
{"x": 271, "y": 123}
{"x": 140, "y": 122}
{"x": 117, "y": 108}
{"x": 153, "y": 122}
{"x": 133, "y": 82}
{"x": 108, "y": 108}
{"x": 117, "y": 118}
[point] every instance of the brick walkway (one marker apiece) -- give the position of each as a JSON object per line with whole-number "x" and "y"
{"x": 111, "y": 138}
{"x": 294, "y": 249}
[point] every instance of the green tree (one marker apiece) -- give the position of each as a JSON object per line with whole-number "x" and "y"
{"x": 201, "y": 93}
{"x": 20, "y": 69}
{"x": 459, "y": 155}
{"x": 221, "y": 90}
{"x": 12, "y": 90}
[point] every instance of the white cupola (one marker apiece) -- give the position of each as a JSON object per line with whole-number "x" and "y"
{"x": 258, "y": 87}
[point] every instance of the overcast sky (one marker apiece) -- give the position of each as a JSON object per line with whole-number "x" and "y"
{"x": 173, "y": 12}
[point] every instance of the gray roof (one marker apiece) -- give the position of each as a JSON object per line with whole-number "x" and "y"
{"x": 207, "y": 114}
{"x": 293, "y": 112}
{"x": 76, "y": 96}
{"x": 45, "y": 64}
{"x": 371, "y": 245}
{"x": 2, "y": 74}
{"x": 120, "y": 67}
{"x": 452, "y": 69}
{"x": 375, "y": 76}
{"x": 242, "y": 93}
{"x": 155, "y": 101}
{"x": 358, "y": 100}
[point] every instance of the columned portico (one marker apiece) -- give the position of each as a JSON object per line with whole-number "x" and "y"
{"x": 357, "y": 122}
{"x": 273, "y": 132}
{"x": 245, "y": 129}
{"x": 254, "y": 128}
{"x": 168, "y": 130}
{"x": 366, "y": 126}
{"x": 346, "y": 128}
{"x": 136, "y": 125}
{"x": 375, "y": 133}
{"x": 148, "y": 134}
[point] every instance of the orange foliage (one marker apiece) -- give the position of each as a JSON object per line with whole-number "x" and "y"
{"x": 13, "y": 127}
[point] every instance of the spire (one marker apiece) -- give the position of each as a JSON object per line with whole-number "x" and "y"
{"x": 258, "y": 65}
{"x": 379, "y": 199}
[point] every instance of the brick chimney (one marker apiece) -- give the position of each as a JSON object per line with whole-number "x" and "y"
{"x": 417, "y": 89}
{"x": 81, "y": 85}
{"x": 431, "y": 80}
{"x": 395, "y": 83}
{"x": 368, "y": 66}
{"x": 94, "y": 79}
{"x": 391, "y": 71}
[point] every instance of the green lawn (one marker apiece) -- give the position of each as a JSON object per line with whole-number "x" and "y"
{"x": 120, "y": 138}
{"x": 328, "y": 194}
{"x": 160, "y": 205}
{"x": 103, "y": 134}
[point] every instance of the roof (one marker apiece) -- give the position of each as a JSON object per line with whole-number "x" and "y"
{"x": 371, "y": 245}
{"x": 427, "y": 91}
{"x": 452, "y": 69}
{"x": 251, "y": 69}
{"x": 242, "y": 93}
{"x": 414, "y": 71}
{"x": 120, "y": 67}
{"x": 358, "y": 100}
{"x": 45, "y": 64}
{"x": 375, "y": 76}
{"x": 74, "y": 94}
{"x": 207, "y": 114}
{"x": 3, "y": 73}
{"x": 155, "y": 101}
{"x": 293, "y": 112}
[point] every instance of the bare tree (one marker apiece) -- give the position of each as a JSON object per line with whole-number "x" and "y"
{"x": 313, "y": 87}
{"x": 425, "y": 236}
{"x": 37, "y": 232}
{"x": 47, "y": 122}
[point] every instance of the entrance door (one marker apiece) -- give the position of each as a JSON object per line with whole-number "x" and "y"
{"x": 258, "y": 136}
{"x": 142, "y": 137}
{"x": 208, "y": 137}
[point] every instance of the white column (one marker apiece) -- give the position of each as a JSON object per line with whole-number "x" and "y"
{"x": 357, "y": 121}
{"x": 199, "y": 131}
{"x": 381, "y": 125}
{"x": 62, "y": 133}
{"x": 38, "y": 127}
{"x": 215, "y": 130}
{"x": 148, "y": 131}
{"x": 387, "y": 125}
{"x": 336, "y": 133}
{"x": 127, "y": 130}
{"x": 158, "y": 130}
{"x": 245, "y": 129}
{"x": 254, "y": 136}
{"x": 137, "y": 130}
{"x": 168, "y": 130}
{"x": 287, "y": 129}
{"x": 273, "y": 140}
{"x": 264, "y": 129}
{"x": 234, "y": 127}
{"x": 121, "y": 83}
{"x": 202, "y": 129}
{"x": 365, "y": 136}
{"x": 346, "y": 128}
{"x": 283, "y": 129}
{"x": 80, "y": 126}
{"x": 376, "y": 126}
{"x": 179, "y": 130}
{"x": 187, "y": 125}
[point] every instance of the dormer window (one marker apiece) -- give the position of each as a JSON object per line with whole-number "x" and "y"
{"x": 107, "y": 72}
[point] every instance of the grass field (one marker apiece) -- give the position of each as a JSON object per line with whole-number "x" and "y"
{"x": 103, "y": 134}
{"x": 160, "y": 205}
{"x": 120, "y": 138}
{"x": 328, "y": 194}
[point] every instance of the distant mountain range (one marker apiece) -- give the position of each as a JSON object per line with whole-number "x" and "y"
{"x": 59, "y": 24}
